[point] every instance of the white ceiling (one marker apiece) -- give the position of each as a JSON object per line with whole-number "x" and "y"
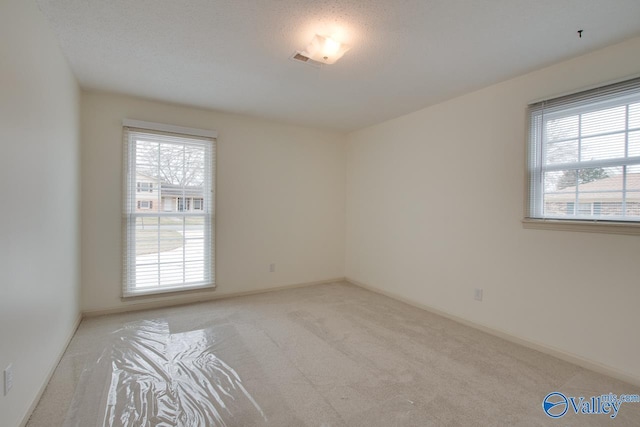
{"x": 233, "y": 55}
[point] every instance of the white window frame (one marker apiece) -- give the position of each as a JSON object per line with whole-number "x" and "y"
{"x": 599, "y": 98}
{"x": 199, "y": 137}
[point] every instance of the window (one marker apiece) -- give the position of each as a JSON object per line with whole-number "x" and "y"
{"x": 145, "y": 187}
{"x": 145, "y": 204}
{"x": 197, "y": 204}
{"x": 171, "y": 248}
{"x": 584, "y": 156}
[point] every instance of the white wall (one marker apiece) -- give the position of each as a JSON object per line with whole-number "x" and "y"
{"x": 434, "y": 204}
{"x": 39, "y": 213}
{"x": 280, "y": 199}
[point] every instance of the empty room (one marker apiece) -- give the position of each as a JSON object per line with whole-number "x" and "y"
{"x": 319, "y": 213}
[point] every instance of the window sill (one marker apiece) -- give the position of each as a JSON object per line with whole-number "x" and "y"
{"x": 167, "y": 291}
{"x": 608, "y": 227}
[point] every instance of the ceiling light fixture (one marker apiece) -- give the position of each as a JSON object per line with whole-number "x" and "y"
{"x": 325, "y": 50}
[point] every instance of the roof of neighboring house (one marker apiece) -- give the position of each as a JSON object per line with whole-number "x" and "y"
{"x": 178, "y": 191}
{"x": 606, "y": 189}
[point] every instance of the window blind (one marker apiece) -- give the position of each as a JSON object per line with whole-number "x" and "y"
{"x": 169, "y": 205}
{"x": 584, "y": 155}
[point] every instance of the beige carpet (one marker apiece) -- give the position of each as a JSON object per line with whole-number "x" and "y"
{"x": 325, "y": 355}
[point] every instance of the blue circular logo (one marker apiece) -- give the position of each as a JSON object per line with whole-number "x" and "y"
{"x": 555, "y": 404}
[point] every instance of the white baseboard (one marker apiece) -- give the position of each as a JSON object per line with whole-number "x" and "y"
{"x": 543, "y": 348}
{"x": 197, "y": 298}
{"x": 52, "y": 369}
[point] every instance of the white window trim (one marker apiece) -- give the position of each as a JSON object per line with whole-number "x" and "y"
{"x": 130, "y": 187}
{"x": 609, "y": 227}
{"x": 575, "y": 225}
{"x": 161, "y": 127}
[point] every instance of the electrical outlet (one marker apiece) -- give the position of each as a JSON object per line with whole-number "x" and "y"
{"x": 272, "y": 268}
{"x": 477, "y": 295}
{"x": 8, "y": 379}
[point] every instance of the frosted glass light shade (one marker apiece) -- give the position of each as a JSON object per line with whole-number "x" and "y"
{"x": 325, "y": 50}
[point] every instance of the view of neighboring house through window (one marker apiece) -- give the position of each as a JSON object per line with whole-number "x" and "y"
{"x": 584, "y": 155}
{"x": 169, "y": 204}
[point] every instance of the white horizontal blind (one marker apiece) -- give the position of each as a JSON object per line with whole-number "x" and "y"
{"x": 168, "y": 227}
{"x": 584, "y": 155}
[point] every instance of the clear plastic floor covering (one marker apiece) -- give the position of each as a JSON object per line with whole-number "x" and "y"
{"x": 156, "y": 378}
{"x": 326, "y": 355}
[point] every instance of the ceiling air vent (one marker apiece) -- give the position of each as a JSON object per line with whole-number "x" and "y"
{"x": 299, "y": 57}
